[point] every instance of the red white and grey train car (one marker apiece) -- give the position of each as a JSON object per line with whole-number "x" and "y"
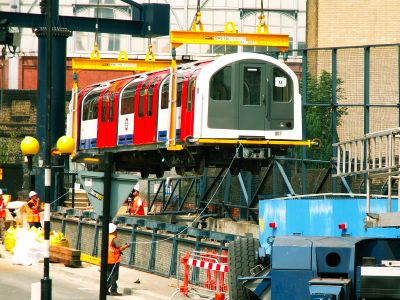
{"x": 243, "y": 100}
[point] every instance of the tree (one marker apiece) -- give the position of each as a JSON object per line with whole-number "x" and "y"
{"x": 319, "y": 117}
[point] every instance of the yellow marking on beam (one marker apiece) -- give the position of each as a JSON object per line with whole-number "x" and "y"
{"x": 90, "y": 259}
{"x": 307, "y": 143}
{"x": 280, "y": 41}
{"x": 175, "y": 147}
{"x": 109, "y": 64}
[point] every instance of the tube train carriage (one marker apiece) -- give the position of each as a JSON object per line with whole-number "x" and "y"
{"x": 243, "y": 99}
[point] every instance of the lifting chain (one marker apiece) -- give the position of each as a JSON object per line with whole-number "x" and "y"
{"x": 262, "y": 27}
{"x": 197, "y": 25}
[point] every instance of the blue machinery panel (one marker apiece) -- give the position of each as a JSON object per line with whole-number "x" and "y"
{"x": 321, "y": 217}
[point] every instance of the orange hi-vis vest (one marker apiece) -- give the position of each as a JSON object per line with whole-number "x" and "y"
{"x": 2, "y": 209}
{"x": 114, "y": 254}
{"x": 135, "y": 205}
{"x": 32, "y": 214}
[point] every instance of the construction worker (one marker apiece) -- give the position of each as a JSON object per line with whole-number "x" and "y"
{"x": 114, "y": 258}
{"x": 2, "y": 216}
{"x": 33, "y": 210}
{"x": 137, "y": 205}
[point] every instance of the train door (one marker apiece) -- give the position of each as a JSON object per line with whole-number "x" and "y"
{"x": 108, "y": 113}
{"x": 82, "y": 94}
{"x": 223, "y": 104}
{"x": 145, "y": 118}
{"x": 88, "y": 119}
{"x": 188, "y": 92}
{"x": 281, "y": 91}
{"x": 252, "y": 92}
{"x": 126, "y": 114}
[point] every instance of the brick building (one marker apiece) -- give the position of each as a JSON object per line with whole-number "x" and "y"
{"x": 341, "y": 23}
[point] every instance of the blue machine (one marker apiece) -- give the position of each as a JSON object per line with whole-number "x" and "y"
{"x": 319, "y": 248}
{"x": 335, "y": 268}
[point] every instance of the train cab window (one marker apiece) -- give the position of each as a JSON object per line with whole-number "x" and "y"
{"x": 128, "y": 99}
{"x": 142, "y": 93}
{"x": 252, "y": 86}
{"x": 165, "y": 94}
{"x": 220, "y": 84}
{"x": 191, "y": 90}
{"x": 283, "y": 86}
{"x": 89, "y": 106}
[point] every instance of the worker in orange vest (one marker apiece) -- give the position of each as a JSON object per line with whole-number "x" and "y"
{"x": 114, "y": 257}
{"x": 137, "y": 205}
{"x": 2, "y": 216}
{"x": 33, "y": 210}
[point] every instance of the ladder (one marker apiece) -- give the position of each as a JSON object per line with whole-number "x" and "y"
{"x": 376, "y": 155}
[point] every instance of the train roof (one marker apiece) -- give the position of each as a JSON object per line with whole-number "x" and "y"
{"x": 218, "y": 61}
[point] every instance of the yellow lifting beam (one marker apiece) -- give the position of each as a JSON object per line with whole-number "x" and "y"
{"x": 308, "y": 143}
{"x": 122, "y": 63}
{"x": 280, "y": 41}
{"x": 110, "y": 64}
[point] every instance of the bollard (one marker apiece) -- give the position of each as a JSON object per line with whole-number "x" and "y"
{"x": 207, "y": 283}
{"x": 224, "y": 259}
{"x": 214, "y": 257}
{"x": 184, "y": 289}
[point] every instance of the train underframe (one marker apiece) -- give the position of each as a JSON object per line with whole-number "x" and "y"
{"x": 191, "y": 160}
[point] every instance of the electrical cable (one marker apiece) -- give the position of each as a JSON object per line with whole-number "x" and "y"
{"x": 200, "y": 214}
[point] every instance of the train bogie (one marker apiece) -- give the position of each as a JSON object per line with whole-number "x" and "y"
{"x": 227, "y": 110}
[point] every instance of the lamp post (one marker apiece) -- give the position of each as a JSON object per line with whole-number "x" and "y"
{"x": 66, "y": 146}
{"x": 30, "y": 147}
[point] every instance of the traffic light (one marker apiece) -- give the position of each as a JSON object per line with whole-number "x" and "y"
{"x": 6, "y": 37}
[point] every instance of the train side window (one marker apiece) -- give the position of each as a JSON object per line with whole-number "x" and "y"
{"x": 252, "y": 86}
{"x": 191, "y": 91}
{"x": 104, "y": 101}
{"x": 141, "y": 100}
{"x": 95, "y": 108}
{"x": 180, "y": 80}
{"x": 128, "y": 99}
{"x": 150, "y": 93}
{"x": 283, "y": 86}
{"x": 165, "y": 94}
{"x": 89, "y": 106}
{"x": 111, "y": 110}
{"x": 220, "y": 84}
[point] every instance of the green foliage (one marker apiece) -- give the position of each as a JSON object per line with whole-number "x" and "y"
{"x": 319, "y": 117}
{"x": 9, "y": 149}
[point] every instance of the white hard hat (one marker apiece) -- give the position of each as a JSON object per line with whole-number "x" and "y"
{"x": 1, "y": 192}
{"x": 32, "y": 193}
{"x": 112, "y": 228}
{"x": 137, "y": 187}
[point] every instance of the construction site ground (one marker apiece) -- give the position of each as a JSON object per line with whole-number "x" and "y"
{"x": 80, "y": 283}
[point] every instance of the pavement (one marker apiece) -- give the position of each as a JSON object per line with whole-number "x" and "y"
{"x": 80, "y": 283}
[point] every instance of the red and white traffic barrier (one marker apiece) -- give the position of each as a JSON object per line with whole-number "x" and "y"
{"x": 215, "y": 266}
